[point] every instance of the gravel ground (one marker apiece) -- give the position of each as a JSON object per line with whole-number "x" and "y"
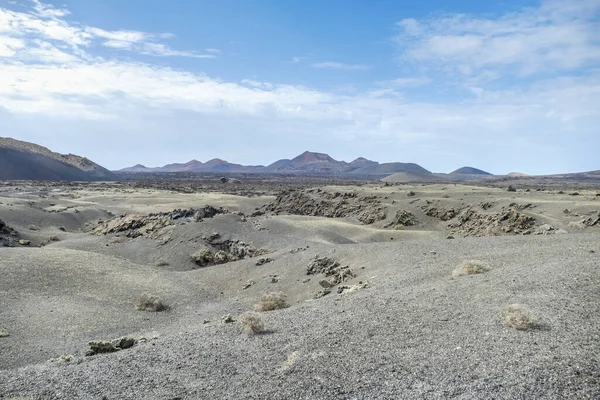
{"x": 415, "y": 331}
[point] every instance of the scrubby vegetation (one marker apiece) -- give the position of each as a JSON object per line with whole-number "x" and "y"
{"x": 148, "y": 302}
{"x": 252, "y": 323}
{"x": 471, "y": 267}
{"x": 518, "y": 316}
{"x": 272, "y": 301}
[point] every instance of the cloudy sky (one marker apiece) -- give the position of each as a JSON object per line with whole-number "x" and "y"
{"x": 498, "y": 85}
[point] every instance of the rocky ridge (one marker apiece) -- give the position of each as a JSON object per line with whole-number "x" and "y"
{"x": 319, "y": 203}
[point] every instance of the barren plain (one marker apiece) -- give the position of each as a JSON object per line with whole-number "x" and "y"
{"x": 143, "y": 290}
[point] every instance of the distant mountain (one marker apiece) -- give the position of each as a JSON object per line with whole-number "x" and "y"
{"x": 386, "y": 169}
{"x": 469, "y": 171}
{"x": 29, "y": 161}
{"x": 362, "y": 162}
{"x": 214, "y": 165}
{"x": 137, "y": 168}
{"x": 309, "y": 163}
{"x": 313, "y": 163}
{"x": 277, "y": 165}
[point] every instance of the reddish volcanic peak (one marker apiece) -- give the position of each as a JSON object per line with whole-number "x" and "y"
{"x": 308, "y": 156}
{"x": 215, "y": 161}
{"x": 193, "y": 162}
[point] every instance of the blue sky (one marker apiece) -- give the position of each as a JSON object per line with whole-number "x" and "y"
{"x": 499, "y": 85}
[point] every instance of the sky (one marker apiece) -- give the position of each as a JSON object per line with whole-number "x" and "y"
{"x": 504, "y": 86}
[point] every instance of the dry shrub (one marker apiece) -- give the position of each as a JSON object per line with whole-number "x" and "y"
{"x": 471, "y": 267}
{"x": 518, "y": 316}
{"x": 162, "y": 263}
{"x": 252, "y": 323}
{"x": 33, "y": 227}
{"x": 148, "y": 302}
{"x": 272, "y": 301}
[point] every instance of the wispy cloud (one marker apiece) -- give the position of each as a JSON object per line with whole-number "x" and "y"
{"x": 338, "y": 65}
{"x": 297, "y": 60}
{"x": 44, "y": 25}
{"x": 557, "y": 36}
{"x": 161, "y": 50}
{"x": 406, "y": 82}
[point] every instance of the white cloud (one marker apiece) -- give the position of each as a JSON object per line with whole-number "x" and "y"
{"x": 297, "y": 60}
{"x": 45, "y": 24}
{"x": 121, "y": 36}
{"x": 9, "y": 46}
{"x": 117, "y": 44}
{"x": 161, "y": 50}
{"x": 48, "y": 11}
{"x": 213, "y": 51}
{"x": 557, "y": 36}
{"x": 337, "y": 65}
{"x": 407, "y": 82}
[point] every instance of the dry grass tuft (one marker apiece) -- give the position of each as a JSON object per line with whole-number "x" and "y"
{"x": 252, "y": 323}
{"x": 148, "y": 302}
{"x": 272, "y": 301}
{"x": 471, "y": 267}
{"x": 518, "y": 316}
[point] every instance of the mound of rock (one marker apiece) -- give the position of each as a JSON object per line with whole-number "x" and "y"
{"x": 586, "y": 223}
{"x": 105, "y": 346}
{"x": 133, "y": 225}
{"x": 8, "y": 236}
{"x": 510, "y": 221}
{"x": 221, "y": 251}
{"x": 442, "y": 213}
{"x": 478, "y": 221}
{"x": 319, "y": 203}
{"x": 403, "y": 218}
{"x": 332, "y": 269}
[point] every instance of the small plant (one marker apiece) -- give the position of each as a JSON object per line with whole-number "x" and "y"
{"x": 4, "y": 333}
{"x": 33, "y": 227}
{"x": 252, "y": 323}
{"x": 150, "y": 303}
{"x": 162, "y": 263}
{"x": 511, "y": 189}
{"x": 517, "y": 316}
{"x": 469, "y": 268}
{"x": 272, "y": 301}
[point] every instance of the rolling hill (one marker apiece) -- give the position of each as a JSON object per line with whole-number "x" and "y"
{"x": 469, "y": 171}
{"x": 28, "y": 161}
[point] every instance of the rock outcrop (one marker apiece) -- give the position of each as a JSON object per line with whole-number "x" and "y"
{"x": 319, "y": 203}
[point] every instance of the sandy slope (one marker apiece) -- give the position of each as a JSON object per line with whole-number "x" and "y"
{"x": 416, "y": 332}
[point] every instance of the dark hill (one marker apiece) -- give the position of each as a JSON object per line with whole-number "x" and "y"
{"x": 390, "y": 168}
{"x": 29, "y": 161}
{"x": 469, "y": 171}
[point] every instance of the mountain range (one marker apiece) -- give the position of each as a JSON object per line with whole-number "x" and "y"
{"x": 21, "y": 160}
{"x": 308, "y": 163}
